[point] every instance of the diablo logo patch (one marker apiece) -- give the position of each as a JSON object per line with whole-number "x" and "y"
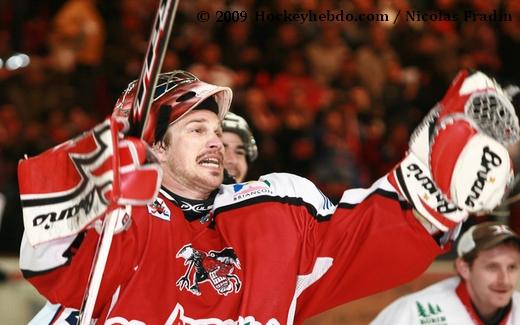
{"x": 215, "y": 267}
{"x": 159, "y": 209}
{"x": 249, "y": 189}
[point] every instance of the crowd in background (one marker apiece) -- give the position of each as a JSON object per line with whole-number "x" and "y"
{"x": 332, "y": 101}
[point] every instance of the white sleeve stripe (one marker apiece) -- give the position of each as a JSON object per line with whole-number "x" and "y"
{"x": 321, "y": 266}
{"x": 45, "y": 256}
{"x": 46, "y": 315}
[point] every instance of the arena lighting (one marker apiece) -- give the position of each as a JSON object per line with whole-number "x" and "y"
{"x": 17, "y": 61}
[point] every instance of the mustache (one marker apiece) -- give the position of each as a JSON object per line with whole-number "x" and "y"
{"x": 217, "y": 153}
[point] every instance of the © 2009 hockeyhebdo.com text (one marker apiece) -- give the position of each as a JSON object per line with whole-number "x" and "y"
{"x": 340, "y": 15}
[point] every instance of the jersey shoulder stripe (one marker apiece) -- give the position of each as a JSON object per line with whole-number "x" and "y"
{"x": 275, "y": 187}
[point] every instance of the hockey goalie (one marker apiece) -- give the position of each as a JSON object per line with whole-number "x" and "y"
{"x": 271, "y": 251}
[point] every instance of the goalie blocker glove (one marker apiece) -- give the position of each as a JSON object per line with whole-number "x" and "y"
{"x": 81, "y": 189}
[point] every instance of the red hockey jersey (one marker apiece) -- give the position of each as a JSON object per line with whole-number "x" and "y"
{"x": 275, "y": 251}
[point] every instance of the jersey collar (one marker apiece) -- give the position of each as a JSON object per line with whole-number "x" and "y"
{"x": 500, "y": 317}
{"x": 193, "y": 209}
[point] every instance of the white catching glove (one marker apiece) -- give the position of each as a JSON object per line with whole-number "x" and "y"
{"x": 457, "y": 163}
{"x": 470, "y": 168}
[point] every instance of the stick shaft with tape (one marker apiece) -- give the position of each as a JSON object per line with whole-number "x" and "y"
{"x": 157, "y": 46}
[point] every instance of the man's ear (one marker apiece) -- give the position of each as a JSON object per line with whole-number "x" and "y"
{"x": 160, "y": 151}
{"x": 462, "y": 268}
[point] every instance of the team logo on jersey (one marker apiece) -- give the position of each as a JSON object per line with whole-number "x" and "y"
{"x": 178, "y": 316}
{"x": 159, "y": 209}
{"x": 215, "y": 267}
{"x": 250, "y": 189}
{"x": 430, "y": 314}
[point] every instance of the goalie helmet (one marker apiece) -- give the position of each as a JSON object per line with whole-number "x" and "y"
{"x": 238, "y": 125}
{"x": 176, "y": 93}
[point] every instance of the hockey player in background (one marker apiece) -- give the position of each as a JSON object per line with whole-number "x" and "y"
{"x": 484, "y": 292}
{"x": 272, "y": 251}
{"x": 239, "y": 146}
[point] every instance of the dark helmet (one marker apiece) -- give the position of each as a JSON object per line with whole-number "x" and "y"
{"x": 238, "y": 125}
{"x": 176, "y": 93}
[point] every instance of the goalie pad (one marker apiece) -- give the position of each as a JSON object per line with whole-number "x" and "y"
{"x": 413, "y": 181}
{"x": 66, "y": 188}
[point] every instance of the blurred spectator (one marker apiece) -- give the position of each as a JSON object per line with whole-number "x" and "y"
{"x": 266, "y": 126}
{"x": 210, "y": 68}
{"x": 37, "y": 90}
{"x": 326, "y": 53}
{"x": 241, "y": 54}
{"x": 481, "y": 47}
{"x": 294, "y": 80}
{"x": 296, "y": 138}
{"x": 394, "y": 145}
{"x": 372, "y": 59}
{"x": 287, "y": 38}
{"x": 334, "y": 164}
{"x": 509, "y": 40}
{"x": 76, "y": 46}
{"x": 12, "y": 148}
{"x": 78, "y": 34}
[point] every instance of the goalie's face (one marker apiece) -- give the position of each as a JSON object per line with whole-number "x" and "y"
{"x": 192, "y": 155}
{"x": 492, "y": 277}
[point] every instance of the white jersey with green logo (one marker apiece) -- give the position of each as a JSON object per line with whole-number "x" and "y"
{"x": 437, "y": 304}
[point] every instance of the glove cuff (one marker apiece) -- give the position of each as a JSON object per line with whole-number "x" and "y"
{"x": 413, "y": 181}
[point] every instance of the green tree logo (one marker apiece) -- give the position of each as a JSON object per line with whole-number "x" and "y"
{"x": 428, "y": 310}
{"x": 421, "y": 310}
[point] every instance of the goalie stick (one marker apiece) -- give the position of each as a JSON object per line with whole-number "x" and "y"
{"x": 157, "y": 46}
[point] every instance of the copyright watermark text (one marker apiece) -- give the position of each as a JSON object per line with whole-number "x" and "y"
{"x": 285, "y": 16}
{"x": 340, "y": 15}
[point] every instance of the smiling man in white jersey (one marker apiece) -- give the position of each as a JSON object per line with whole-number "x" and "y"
{"x": 483, "y": 293}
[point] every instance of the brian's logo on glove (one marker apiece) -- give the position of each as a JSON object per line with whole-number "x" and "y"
{"x": 441, "y": 204}
{"x": 490, "y": 160}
